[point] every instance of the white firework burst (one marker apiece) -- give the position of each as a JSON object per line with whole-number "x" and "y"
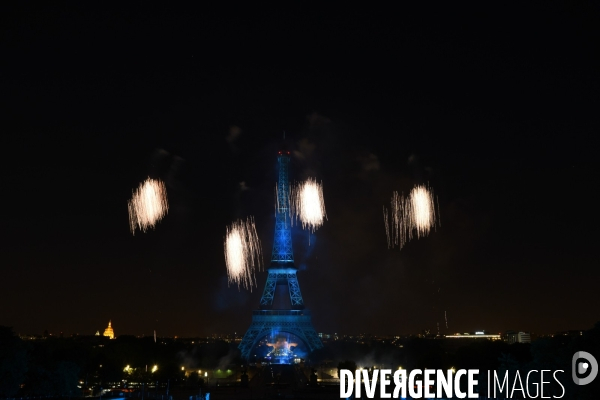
{"x": 243, "y": 254}
{"x": 148, "y": 205}
{"x": 307, "y": 204}
{"x": 410, "y": 216}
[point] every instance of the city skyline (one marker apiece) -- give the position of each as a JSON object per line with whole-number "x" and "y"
{"x": 239, "y": 335}
{"x": 326, "y": 335}
{"x": 499, "y": 120}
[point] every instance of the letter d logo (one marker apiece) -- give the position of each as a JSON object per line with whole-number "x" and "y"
{"x": 582, "y": 368}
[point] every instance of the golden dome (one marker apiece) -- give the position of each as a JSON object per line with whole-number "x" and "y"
{"x": 109, "y": 331}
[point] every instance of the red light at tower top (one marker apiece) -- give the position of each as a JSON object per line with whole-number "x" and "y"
{"x": 282, "y": 152}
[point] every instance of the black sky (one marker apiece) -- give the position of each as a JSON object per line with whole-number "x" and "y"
{"x": 496, "y": 108}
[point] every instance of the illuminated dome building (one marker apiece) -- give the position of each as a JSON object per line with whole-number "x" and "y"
{"x": 109, "y": 331}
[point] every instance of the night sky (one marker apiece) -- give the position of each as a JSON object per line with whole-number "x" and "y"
{"x": 496, "y": 109}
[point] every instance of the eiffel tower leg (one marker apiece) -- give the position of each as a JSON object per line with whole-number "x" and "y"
{"x": 269, "y": 293}
{"x": 250, "y": 338}
{"x": 295, "y": 295}
{"x": 313, "y": 340}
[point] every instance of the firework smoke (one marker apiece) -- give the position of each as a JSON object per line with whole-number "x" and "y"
{"x": 148, "y": 205}
{"x": 410, "y": 216}
{"x": 242, "y": 253}
{"x": 307, "y": 204}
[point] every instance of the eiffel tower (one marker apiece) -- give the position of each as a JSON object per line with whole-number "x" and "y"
{"x": 287, "y": 315}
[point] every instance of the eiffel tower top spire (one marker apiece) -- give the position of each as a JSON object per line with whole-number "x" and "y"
{"x": 283, "y": 252}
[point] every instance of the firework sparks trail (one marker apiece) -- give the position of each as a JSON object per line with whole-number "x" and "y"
{"x": 411, "y": 216}
{"x": 307, "y": 204}
{"x": 148, "y": 205}
{"x": 242, "y": 253}
{"x": 446, "y": 318}
{"x": 386, "y": 221}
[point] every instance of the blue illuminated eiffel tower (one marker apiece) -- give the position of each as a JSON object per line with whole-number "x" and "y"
{"x": 293, "y": 317}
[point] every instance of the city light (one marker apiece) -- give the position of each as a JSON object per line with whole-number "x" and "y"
{"x": 154, "y": 368}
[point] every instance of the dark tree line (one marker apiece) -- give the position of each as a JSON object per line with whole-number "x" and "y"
{"x": 56, "y": 366}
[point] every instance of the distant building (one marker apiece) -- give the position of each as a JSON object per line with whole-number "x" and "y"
{"x": 474, "y": 335}
{"x": 517, "y": 337}
{"x": 453, "y": 342}
{"x": 109, "y": 331}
